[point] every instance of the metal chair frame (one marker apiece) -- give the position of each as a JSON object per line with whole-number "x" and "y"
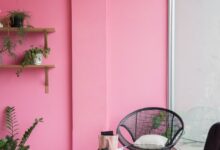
{"x": 172, "y": 121}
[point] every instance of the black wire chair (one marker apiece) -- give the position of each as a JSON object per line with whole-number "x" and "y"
{"x": 151, "y": 120}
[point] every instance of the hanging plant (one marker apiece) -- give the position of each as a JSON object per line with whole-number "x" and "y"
{"x": 8, "y": 46}
{"x": 14, "y": 19}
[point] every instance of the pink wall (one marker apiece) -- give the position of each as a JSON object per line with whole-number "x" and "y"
{"x": 89, "y": 72}
{"x": 26, "y": 93}
{"x": 137, "y": 60}
{"x": 119, "y": 63}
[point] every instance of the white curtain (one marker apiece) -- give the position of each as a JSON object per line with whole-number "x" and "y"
{"x": 197, "y": 65}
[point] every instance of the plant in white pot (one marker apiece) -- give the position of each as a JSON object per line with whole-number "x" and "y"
{"x": 33, "y": 56}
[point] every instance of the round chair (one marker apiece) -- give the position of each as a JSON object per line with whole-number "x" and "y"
{"x": 148, "y": 121}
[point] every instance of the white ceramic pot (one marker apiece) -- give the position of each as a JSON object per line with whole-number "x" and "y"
{"x": 1, "y": 25}
{"x": 38, "y": 59}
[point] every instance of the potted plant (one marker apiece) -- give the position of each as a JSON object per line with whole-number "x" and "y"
{"x": 11, "y": 142}
{"x": 14, "y": 19}
{"x": 33, "y": 56}
{"x": 17, "y": 18}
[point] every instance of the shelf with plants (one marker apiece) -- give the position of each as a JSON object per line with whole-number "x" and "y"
{"x": 45, "y": 67}
{"x": 18, "y": 30}
{"x": 21, "y": 31}
{"x": 28, "y": 29}
{"x": 32, "y": 58}
{"x": 28, "y": 66}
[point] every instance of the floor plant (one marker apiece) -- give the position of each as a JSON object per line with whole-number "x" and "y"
{"x": 11, "y": 142}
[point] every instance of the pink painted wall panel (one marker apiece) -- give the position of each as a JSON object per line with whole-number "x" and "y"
{"x": 26, "y": 93}
{"x": 119, "y": 63}
{"x": 138, "y": 56}
{"x": 89, "y": 72}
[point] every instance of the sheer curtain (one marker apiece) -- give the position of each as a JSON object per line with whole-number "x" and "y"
{"x": 197, "y": 65}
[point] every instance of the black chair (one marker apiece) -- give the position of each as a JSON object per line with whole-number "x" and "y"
{"x": 213, "y": 138}
{"x": 151, "y": 120}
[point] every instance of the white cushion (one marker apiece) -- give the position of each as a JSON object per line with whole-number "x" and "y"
{"x": 151, "y": 141}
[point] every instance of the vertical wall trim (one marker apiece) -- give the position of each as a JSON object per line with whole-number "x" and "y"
{"x": 171, "y": 47}
{"x": 108, "y": 63}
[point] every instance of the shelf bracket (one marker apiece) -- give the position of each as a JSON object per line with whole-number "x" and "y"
{"x": 45, "y": 40}
{"x": 46, "y": 69}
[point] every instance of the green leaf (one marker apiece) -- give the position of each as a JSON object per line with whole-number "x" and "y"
{"x": 158, "y": 119}
{"x": 28, "y": 132}
{"x": 11, "y": 122}
{"x": 3, "y": 142}
{"x": 168, "y": 133}
{"x": 156, "y": 122}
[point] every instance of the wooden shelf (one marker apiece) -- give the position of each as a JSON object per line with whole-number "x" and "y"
{"x": 45, "y": 32}
{"x": 32, "y": 30}
{"x": 28, "y": 66}
{"x": 45, "y": 67}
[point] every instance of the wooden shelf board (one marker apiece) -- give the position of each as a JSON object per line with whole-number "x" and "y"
{"x": 28, "y": 66}
{"x": 37, "y": 30}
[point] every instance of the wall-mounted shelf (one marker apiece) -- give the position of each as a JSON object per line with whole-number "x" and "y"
{"x": 28, "y": 66}
{"x": 45, "y": 67}
{"x": 37, "y": 30}
{"x": 45, "y": 31}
